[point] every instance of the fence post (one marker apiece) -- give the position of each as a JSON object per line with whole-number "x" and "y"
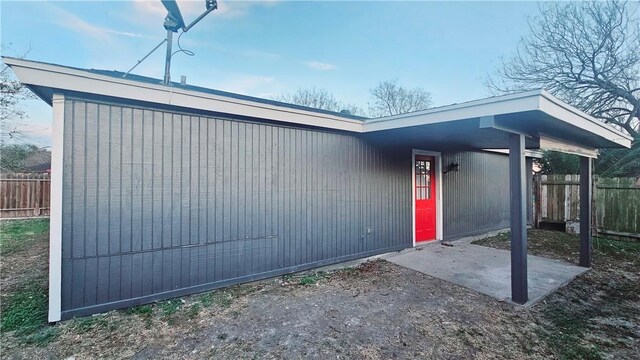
{"x": 594, "y": 206}
{"x": 37, "y": 198}
{"x": 537, "y": 198}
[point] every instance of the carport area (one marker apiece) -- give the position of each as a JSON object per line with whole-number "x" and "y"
{"x": 516, "y": 122}
{"x": 485, "y": 270}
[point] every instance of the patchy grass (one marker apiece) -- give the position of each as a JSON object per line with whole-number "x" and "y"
{"x": 16, "y": 235}
{"x": 23, "y": 305}
{"x": 89, "y": 323}
{"x": 25, "y": 313}
{"x": 620, "y": 249}
{"x": 563, "y": 246}
{"x": 413, "y": 315}
{"x": 566, "y": 333}
{"x": 597, "y": 314}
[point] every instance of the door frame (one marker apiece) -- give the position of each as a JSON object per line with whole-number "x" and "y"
{"x": 438, "y": 170}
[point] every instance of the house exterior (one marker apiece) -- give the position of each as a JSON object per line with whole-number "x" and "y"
{"x": 162, "y": 191}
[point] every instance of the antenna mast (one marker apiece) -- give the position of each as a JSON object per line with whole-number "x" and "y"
{"x": 167, "y": 61}
{"x": 173, "y": 22}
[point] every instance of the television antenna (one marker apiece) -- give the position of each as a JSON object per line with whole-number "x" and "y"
{"x": 172, "y": 23}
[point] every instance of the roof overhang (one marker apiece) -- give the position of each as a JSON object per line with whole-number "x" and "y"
{"x": 486, "y": 123}
{"x": 45, "y": 79}
{"x": 546, "y": 121}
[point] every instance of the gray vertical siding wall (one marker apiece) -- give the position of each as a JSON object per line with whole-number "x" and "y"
{"x": 475, "y": 198}
{"x": 158, "y": 204}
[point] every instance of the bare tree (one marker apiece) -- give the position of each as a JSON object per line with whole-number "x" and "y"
{"x": 586, "y": 53}
{"x": 318, "y": 99}
{"x": 388, "y": 98}
{"x": 12, "y": 96}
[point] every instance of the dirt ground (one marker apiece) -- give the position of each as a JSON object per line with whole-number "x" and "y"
{"x": 375, "y": 311}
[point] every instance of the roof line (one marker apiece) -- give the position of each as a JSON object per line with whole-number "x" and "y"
{"x": 116, "y": 77}
{"x": 53, "y": 77}
{"x": 547, "y": 95}
{"x": 455, "y": 106}
{"x": 57, "y": 77}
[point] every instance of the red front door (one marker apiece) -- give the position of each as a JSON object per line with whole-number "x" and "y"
{"x": 425, "y": 198}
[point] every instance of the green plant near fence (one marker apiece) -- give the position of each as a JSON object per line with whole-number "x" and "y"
{"x": 616, "y": 202}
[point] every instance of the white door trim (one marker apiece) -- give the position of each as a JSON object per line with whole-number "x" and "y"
{"x": 438, "y": 162}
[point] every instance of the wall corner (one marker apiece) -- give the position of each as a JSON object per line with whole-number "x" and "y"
{"x": 55, "y": 218}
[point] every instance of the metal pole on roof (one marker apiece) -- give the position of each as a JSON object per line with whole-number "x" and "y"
{"x": 167, "y": 64}
{"x": 143, "y": 59}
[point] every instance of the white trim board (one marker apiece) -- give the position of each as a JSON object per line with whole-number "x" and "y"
{"x": 59, "y": 77}
{"x": 527, "y": 153}
{"x": 550, "y": 143}
{"x": 55, "y": 214}
{"x": 65, "y": 78}
{"x": 439, "y": 212}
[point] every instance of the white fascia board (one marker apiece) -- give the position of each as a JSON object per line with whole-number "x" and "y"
{"x": 569, "y": 114}
{"x": 537, "y": 154}
{"x": 550, "y": 143}
{"x": 526, "y": 101}
{"x": 58, "y": 77}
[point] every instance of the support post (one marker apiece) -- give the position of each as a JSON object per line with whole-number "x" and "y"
{"x": 518, "y": 219}
{"x": 585, "y": 211}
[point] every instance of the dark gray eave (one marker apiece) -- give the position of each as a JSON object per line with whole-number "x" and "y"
{"x": 468, "y": 134}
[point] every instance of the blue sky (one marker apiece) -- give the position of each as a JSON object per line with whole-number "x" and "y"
{"x": 270, "y": 47}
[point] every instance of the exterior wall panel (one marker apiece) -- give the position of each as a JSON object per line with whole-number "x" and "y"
{"x": 475, "y": 198}
{"x": 159, "y": 204}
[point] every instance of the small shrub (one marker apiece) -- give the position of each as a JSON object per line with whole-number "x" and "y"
{"x": 193, "y": 311}
{"x": 169, "y": 307}
{"x": 142, "y": 310}
{"x": 206, "y": 299}
{"x": 311, "y": 279}
{"x": 223, "y": 298}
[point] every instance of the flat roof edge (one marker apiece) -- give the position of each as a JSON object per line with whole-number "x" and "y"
{"x": 548, "y": 96}
{"x": 80, "y": 80}
{"x": 52, "y": 76}
{"x": 458, "y": 106}
{"x": 562, "y": 111}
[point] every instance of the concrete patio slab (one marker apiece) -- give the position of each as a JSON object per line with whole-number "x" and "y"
{"x": 485, "y": 269}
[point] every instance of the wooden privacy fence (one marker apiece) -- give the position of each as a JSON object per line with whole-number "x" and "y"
{"x": 24, "y": 195}
{"x": 616, "y": 203}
